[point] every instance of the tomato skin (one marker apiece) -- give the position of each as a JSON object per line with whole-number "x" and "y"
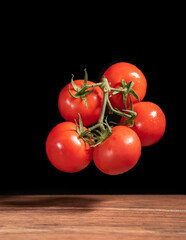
{"x": 69, "y": 106}
{"x": 150, "y": 122}
{"x": 128, "y": 72}
{"x": 66, "y": 150}
{"x": 119, "y": 152}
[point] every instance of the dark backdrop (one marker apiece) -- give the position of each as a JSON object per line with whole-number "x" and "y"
{"x": 40, "y": 56}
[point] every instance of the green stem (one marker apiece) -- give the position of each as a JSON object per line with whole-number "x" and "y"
{"x": 117, "y": 111}
{"x": 101, "y": 118}
{"x": 93, "y": 85}
{"x": 106, "y": 89}
{"x": 106, "y": 131}
{"x": 89, "y": 129}
{"x": 118, "y": 89}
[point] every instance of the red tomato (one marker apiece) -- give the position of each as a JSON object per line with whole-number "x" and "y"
{"x": 69, "y": 106}
{"x": 128, "y": 72}
{"x": 119, "y": 152}
{"x": 150, "y": 122}
{"x": 66, "y": 150}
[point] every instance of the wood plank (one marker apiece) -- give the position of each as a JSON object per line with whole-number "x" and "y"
{"x": 93, "y": 217}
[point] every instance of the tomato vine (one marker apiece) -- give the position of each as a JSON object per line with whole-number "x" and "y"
{"x": 105, "y": 130}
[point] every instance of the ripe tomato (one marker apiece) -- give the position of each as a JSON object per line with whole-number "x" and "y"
{"x": 128, "y": 72}
{"x": 150, "y": 122}
{"x": 69, "y": 106}
{"x": 119, "y": 152}
{"x": 66, "y": 150}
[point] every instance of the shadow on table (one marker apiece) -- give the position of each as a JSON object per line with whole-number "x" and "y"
{"x": 78, "y": 203}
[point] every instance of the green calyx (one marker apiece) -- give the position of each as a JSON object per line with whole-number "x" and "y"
{"x": 100, "y": 136}
{"x": 126, "y": 90}
{"x": 95, "y": 134}
{"x": 81, "y": 92}
{"x": 80, "y": 130}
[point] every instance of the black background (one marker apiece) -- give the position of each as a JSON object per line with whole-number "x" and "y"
{"x": 41, "y": 52}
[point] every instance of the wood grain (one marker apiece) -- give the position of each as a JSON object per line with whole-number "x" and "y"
{"x": 93, "y": 217}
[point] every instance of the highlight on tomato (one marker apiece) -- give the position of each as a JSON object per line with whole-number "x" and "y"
{"x": 126, "y": 72}
{"x": 119, "y": 152}
{"x": 66, "y": 150}
{"x": 150, "y": 122}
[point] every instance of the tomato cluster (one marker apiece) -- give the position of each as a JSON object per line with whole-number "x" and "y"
{"x": 86, "y": 134}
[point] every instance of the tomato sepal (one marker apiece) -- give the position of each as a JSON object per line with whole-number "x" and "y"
{"x": 80, "y": 129}
{"x": 126, "y": 90}
{"x": 101, "y": 136}
{"x": 81, "y": 92}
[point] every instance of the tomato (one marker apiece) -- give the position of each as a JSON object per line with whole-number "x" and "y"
{"x": 66, "y": 150}
{"x": 69, "y": 106}
{"x": 119, "y": 152}
{"x": 128, "y": 72}
{"x": 150, "y": 122}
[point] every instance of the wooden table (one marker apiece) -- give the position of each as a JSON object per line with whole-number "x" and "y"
{"x": 94, "y": 217}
